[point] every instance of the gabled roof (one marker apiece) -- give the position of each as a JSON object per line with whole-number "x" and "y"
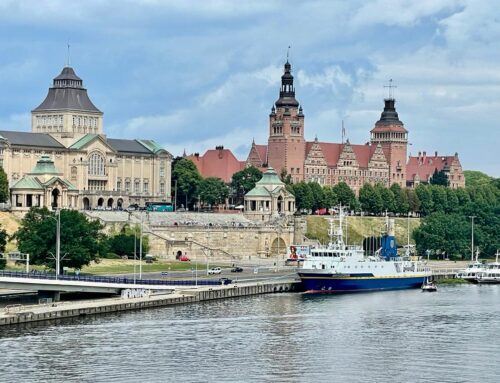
{"x": 332, "y": 151}
{"x": 31, "y": 139}
{"x": 424, "y": 166}
{"x": 128, "y": 146}
{"x": 220, "y": 163}
{"x": 262, "y": 152}
{"x": 83, "y": 141}
{"x": 27, "y": 182}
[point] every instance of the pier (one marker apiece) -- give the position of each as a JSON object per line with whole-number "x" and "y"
{"x": 18, "y": 314}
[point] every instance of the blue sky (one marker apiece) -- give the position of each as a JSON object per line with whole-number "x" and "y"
{"x": 196, "y": 74}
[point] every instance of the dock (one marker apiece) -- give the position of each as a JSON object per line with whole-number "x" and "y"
{"x": 19, "y": 314}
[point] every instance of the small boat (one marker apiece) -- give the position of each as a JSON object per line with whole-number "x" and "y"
{"x": 490, "y": 273}
{"x": 429, "y": 286}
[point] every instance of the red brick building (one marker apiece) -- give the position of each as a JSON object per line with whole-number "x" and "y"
{"x": 218, "y": 162}
{"x": 382, "y": 160}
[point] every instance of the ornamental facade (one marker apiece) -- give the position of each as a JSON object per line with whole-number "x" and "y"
{"x": 91, "y": 170}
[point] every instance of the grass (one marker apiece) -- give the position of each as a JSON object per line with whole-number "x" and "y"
{"x": 359, "y": 228}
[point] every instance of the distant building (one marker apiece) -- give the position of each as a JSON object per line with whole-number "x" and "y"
{"x": 422, "y": 167}
{"x": 82, "y": 168}
{"x": 269, "y": 198}
{"x": 382, "y": 160}
{"x": 218, "y": 162}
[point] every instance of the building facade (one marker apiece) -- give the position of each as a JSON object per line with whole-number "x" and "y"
{"x": 382, "y": 160}
{"x": 67, "y": 130}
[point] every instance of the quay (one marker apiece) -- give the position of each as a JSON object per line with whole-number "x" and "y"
{"x": 19, "y": 314}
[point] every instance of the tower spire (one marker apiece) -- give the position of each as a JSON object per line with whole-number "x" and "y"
{"x": 391, "y": 89}
{"x": 68, "y": 61}
{"x": 288, "y": 53}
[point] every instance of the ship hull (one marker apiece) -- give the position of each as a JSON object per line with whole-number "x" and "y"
{"x": 346, "y": 284}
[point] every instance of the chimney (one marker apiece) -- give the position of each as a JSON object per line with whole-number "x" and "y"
{"x": 435, "y": 153}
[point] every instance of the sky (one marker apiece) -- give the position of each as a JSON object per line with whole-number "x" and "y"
{"x": 195, "y": 74}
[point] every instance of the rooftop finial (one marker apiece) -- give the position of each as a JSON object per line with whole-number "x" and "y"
{"x": 288, "y": 53}
{"x": 391, "y": 89}
{"x": 68, "y": 58}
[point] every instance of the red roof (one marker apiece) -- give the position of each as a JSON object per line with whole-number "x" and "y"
{"x": 220, "y": 163}
{"x": 332, "y": 152}
{"x": 262, "y": 151}
{"x": 424, "y": 166}
{"x": 389, "y": 128}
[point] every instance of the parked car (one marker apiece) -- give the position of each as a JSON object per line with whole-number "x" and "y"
{"x": 214, "y": 270}
{"x": 237, "y": 269}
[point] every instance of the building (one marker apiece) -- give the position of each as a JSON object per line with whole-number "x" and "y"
{"x": 422, "y": 167}
{"x": 219, "y": 162}
{"x": 269, "y": 199}
{"x": 93, "y": 171}
{"x": 382, "y": 160}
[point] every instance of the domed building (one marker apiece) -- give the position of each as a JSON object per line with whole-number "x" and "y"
{"x": 88, "y": 170}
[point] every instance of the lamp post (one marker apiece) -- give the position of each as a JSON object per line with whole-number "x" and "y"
{"x": 140, "y": 248}
{"x": 472, "y": 238}
{"x": 135, "y": 246}
{"x": 58, "y": 243}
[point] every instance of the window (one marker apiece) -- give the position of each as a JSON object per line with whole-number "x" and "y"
{"x": 162, "y": 188}
{"x": 162, "y": 168}
{"x": 145, "y": 187}
{"x": 137, "y": 186}
{"x": 127, "y": 186}
{"x": 119, "y": 185}
{"x": 96, "y": 164}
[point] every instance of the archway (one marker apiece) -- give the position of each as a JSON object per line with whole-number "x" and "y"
{"x": 278, "y": 247}
{"x": 110, "y": 202}
{"x": 55, "y": 198}
{"x": 100, "y": 202}
{"x": 86, "y": 203}
{"x": 119, "y": 203}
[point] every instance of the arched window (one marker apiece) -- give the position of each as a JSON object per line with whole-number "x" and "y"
{"x": 96, "y": 164}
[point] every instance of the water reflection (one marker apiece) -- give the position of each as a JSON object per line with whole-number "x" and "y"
{"x": 401, "y": 336}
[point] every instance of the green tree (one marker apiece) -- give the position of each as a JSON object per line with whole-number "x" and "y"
{"x": 4, "y": 186}
{"x": 81, "y": 239}
{"x": 186, "y": 179}
{"x": 244, "y": 181}
{"x": 439, "y": 201}
{"x": 303, "y": 196}
{"x": 370, "y": 199}
{"x": 123, "y": 242}
{"x": 425, "y": 197}
{"x": 345, "y": 195}
{"x": 285, "y": 177}
{"x": 476, "y": 178}
{"x": 442, "y": 232}
{"x": 401, "y": 205}
{"x": 413, "y": 201}
{"x": 331, "y": 199}
{"x": 3, "y": 243}
{"x": 452, "y": 204}
{"x": 439, "y": 178}
{"x": 318, "y": 195}
{"x": 386, "y": 198}
{"x": 212, "y": 191}
{"x": 462, "y": 196}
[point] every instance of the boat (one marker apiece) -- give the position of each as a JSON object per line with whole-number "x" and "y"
{"x": 490, "y": 273}
{"x": 471, "y": 272}
{"x": 341, "y": 268}
{"x": 429, "y": 286}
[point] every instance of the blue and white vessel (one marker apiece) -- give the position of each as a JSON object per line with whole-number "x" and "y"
{"x": 341, "y": 268}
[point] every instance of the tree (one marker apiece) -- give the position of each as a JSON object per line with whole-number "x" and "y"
{"x": 369, "y": 199}
{"x": 3, "y": 243}
{"x": 413, "y": 201}
{"x": 345, "y": 195}
{"x": 303, "y": 196}
{"x": 476, "y": 178}
{"x": 82, "y": 241}
{"x": 285, "y": 177}
{"x": 439, "y": 178}
{"x": 425, "y": 197}
{"x": 386, "y": 197}
{"x": 123, "y": 242}
{"x": 4, "y": 186}
{"x": 317, "y": 194}
{"x": 212, "y": 191}
{"x": 448, "y": 233}
{"x": 452, "y": 204}
{"x": 331, "y": 199}
{"x": 245, "y": 180}
{"x": 186, "y": 176}
{"x": 439, "y": 201}
{"x": 401, "y": 205}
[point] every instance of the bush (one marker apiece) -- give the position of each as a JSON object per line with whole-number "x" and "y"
{"x": 3, "y": 263}
{"x": 111, "y": 256}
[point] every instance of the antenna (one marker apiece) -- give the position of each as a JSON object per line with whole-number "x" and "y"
{"x": 288, "y": 53}
{"x": 391, "y": 89}
{"x": 68, "y": 62}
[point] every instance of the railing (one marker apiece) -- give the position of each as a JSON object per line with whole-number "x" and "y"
{"x": 443, "y": 271}
{"x": 128, "y": 281}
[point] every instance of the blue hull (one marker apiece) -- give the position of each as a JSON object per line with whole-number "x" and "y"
{"x": 352, "y": 284}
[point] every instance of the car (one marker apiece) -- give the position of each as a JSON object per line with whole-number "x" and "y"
{"x": 237, "y": 269}
{"x": 214, "y": 270}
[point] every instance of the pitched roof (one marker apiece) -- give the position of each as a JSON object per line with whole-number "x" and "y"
{"x": 332, "y": 152}
{"x": 262, "y": 152}
{"x": 83, "y": 141}
{"x": 128, "y": 146}
{"x": 220, "y": 163}
{"x": 31, "y": 139}
{"x": 27, "y": 182}
{"x": 363, "y": 154}
{"x": 424, "y": 166}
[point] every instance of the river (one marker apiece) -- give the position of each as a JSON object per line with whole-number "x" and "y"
{"x": 396, "y": 336}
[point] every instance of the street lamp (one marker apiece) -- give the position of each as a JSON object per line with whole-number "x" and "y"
{"x": 135, "y": 246}
{"x": 472, "y": 238}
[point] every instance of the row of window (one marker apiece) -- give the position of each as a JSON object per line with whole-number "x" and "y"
{"x": 49, "y": 120}
{"x": 85, "y": 121}
{"x": 137, "y": 186}
{"x": 366, "y": 173}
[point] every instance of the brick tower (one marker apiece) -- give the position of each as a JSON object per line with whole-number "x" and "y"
{"x": 286, "y": 144}
{"x": 391, "y": 134}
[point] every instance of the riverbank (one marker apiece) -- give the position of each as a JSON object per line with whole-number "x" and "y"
{"x": 18, "y": 314}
